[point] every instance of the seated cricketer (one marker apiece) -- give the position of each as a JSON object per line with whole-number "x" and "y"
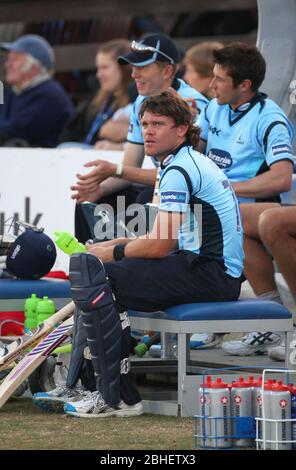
{"x": 193, "y": 253}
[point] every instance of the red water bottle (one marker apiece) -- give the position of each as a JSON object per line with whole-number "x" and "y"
{"x": 219, "y": 395}
{"x": 241, "y": 406}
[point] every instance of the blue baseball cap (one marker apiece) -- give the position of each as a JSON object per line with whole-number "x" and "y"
{"x": 155, "y": 47}
{"x": 31, "y": 255}
{"x": 34, "y": 45}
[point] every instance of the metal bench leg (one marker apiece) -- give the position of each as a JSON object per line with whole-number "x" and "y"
{"x": 290, "y": 351}
{"x": 183, "y": 361}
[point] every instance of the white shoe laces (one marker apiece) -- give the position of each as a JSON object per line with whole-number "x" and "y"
{"x": 60, "y": 390}
{"x": 87, "y": 396}
{"x": 63, "y": 390}
{"x": 99, "y": 402}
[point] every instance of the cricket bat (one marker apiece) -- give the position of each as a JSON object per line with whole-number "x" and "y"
{"x": 21, "y": 344}
{"x": 35, "y": 357}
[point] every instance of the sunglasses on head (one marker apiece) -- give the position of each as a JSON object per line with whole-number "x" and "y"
{"x": 137, "y": 46}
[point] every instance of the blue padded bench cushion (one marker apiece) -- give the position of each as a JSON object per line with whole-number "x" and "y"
{"x": 236, "y": 310}
{"x": 20, "y": 289}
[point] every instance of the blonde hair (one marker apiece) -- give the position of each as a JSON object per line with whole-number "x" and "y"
{"x": 161, "y": 65}
{"x": 201, "y": 57}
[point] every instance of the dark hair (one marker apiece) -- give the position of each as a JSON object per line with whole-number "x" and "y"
{"x": 172, "y": 105}
{"x": 243, "y": 62}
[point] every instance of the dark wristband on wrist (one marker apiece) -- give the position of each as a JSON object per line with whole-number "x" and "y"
{"x": 118, "y": 252}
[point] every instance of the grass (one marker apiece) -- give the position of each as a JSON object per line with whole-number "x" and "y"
{"x": 25, "y": 427}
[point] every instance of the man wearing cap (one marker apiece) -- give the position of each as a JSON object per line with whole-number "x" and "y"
{"x": 36, "y": 107}
{"x": 154, "y": 63}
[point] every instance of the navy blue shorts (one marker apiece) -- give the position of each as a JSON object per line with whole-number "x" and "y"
{"x": 154, "y": 284}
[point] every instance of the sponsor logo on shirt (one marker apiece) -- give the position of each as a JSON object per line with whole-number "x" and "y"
{"x": 131, "y": 127}
{"x": 173, "y": 196}
{"x": 16, "y": 251}
{"x": 280, "y": 148}
{"x": 214, "y": 130}
{"x": 167, "y": 160}
{"x": 240, "y": 139}
{"x": 220, "y": 157}
{"x": 225, "y": 184}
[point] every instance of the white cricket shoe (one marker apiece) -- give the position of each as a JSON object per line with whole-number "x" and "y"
{"x": 94, "y": 406}
{"x": 252, "y": 343}
{"x": 205, "y": 340}
{"x": 55, "y": 399}
{"x": 278, "y": 353}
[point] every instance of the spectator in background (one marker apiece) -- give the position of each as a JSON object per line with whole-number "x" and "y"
{"x": 199, "y": 64}
{"x": 104, "y": 121}
{"x": 36, "y": 107}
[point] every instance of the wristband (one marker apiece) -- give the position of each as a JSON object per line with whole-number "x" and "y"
{"x": 119, "y": 169}
{"x": 118, "y": 252}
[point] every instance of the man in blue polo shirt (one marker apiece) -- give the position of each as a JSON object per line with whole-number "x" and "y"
{"x": 250, "y": 138}
{"x": 246, "y": 134}
{"x": 194, "y": 253}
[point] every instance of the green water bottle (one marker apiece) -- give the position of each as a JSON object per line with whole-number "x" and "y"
{"x": 68, "y": 243}
{"x": 147, "y": 341}
{"x": 31, "y": 312}
{"x": 45, "y": 309}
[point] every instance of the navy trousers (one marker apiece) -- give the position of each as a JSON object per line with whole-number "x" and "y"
{"x": 182, "y": 277}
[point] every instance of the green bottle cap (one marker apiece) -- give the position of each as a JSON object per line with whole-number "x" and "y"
{"x": 140, "y": 349}
{"x": 31, "y": 302}
{"x": 68, "y": 243}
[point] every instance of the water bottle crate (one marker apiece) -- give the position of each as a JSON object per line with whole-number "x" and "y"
{"x": 246, "y": 412}
{"x": 241, "y": 432}
{"x": 276, "y": 428}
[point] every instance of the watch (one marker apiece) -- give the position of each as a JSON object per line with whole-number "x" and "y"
{"x": 118, "y": 252}
{"x": 119, "y": 169}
